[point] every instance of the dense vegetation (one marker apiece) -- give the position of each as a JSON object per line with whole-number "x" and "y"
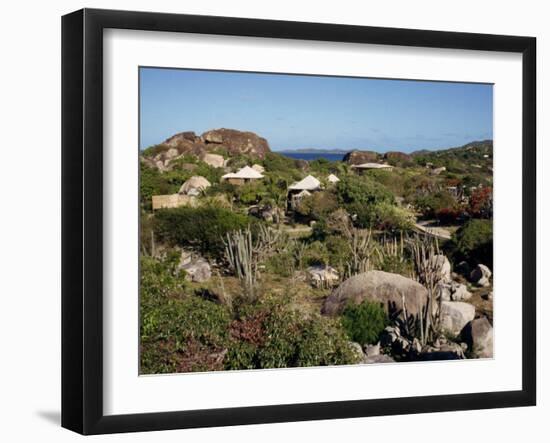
{"x": 202, "y": 228}
{"x": 364, "y": 322}
{"x": 260, "y": 308}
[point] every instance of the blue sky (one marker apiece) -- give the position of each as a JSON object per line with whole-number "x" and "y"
{"x": 293, "y": 111}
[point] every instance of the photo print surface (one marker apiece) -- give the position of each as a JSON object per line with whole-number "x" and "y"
{"x": 294, "y": 221}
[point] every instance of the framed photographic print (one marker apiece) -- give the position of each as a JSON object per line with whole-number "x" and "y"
{"x": 269, "y": 221}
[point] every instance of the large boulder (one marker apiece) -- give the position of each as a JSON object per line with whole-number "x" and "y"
{"x": 360, "y": 157}
{"x": 480, "y": 275}
{"x": 378, "y": 286}
{"x": 478, "y": 334}
{"x": 238, "y": 142}
{"x": 171, "y": 154}
{"x": 197, "y": 269}
{"x": 214, "y": 160}
{"x": 455, "y": 315}
{"x": 212, "y": 137}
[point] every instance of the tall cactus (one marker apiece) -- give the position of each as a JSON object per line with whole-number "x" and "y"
{"x": 361, "y": 250}
{"x": 428, "y": 272}
{"x": 242, "y": 259}
{"x": 244, "y": 254}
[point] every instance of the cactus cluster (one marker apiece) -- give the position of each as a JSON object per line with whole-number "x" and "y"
{"x": 428, "y": 272}
{"x": 244, "y": 253}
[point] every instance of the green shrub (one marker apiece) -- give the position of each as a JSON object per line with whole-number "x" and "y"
{"x": 322, "y": 343}
{"x": 274, "y": 162}
{"x": 339, "y": 251}
{"x": 372, "y": 205}
{"x": 396, "y": 265}
{"x": 182, "y": 335}
{"x": 316, "y": 253}
{"x": 178, "y": 332}
{"x": 383, "y": 215}
{"x": 159, "y": 280}
{"x": 364, "y": 322}
{"x": 250, "y": 193}
{"x": 281, "y": 330}
{"x": 361, "y": 191}
{"x": 201, "y": 228}
{"x": 319, "y": 231}
{"x": 151, "y": 182}
{"x": 318, "y": 205}
{"x": 282, "y": 264}
{"x": 474, "y": 242}
{"x": 431, "y": 205}
{"x": 241, "y": 355}
{"x": 393, "y": 181}
{"x": 273, "y": 335}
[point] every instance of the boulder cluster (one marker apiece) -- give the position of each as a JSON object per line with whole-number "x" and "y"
{"x": 461, "y": 332}
{"x": 208, "y": 147}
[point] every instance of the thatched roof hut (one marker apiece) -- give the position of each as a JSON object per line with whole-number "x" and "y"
{"x": 309, "y": 183}
{"x": 243, "y": 175}
{"x": 194, "y": 186}
{"x": 333, "y": 179}
{"x": 365, "y": 166}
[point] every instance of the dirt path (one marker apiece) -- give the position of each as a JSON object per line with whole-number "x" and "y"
{"x": 297, "y": 232}
{"x": 435, "y": 231}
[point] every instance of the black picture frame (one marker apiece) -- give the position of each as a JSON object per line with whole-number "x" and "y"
{"x": 82, "y": 218}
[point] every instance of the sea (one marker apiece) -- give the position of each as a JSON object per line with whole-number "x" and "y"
{"x": 331, "y": 156}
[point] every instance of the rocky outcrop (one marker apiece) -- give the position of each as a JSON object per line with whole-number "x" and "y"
{"x": 177, "y": 139}
{"x": 410, "y": 349}
{"x": 478, "y": 334}
{"x": 237, "y": 142}
{"x": 378, "y": 286}
{"x": 455, "y": 315}
{"x": 268, "y": 213}
{"x": 322, "y": 276}
{"x": 446, "y": 350}
{"x": 370, "y": 355}
{"x": 196, "y": 269}
{"x": 450, "y": 290}
{"x": 214, "y": 160}
{"x": 442, "y": 262}
{"x": 207, "y": 147}
{"x": 360, "y": 157}
{"x": 480, "y": 275}
{"x": 397, "y": 157}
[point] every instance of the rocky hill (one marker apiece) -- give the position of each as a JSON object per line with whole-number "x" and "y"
{"x": 359, "y": 157}
{"x": 476, "y": 155}
{"x": 226, "y": 142}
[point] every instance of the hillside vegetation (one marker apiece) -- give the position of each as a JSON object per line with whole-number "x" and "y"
{"x": 237, "y": 276}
